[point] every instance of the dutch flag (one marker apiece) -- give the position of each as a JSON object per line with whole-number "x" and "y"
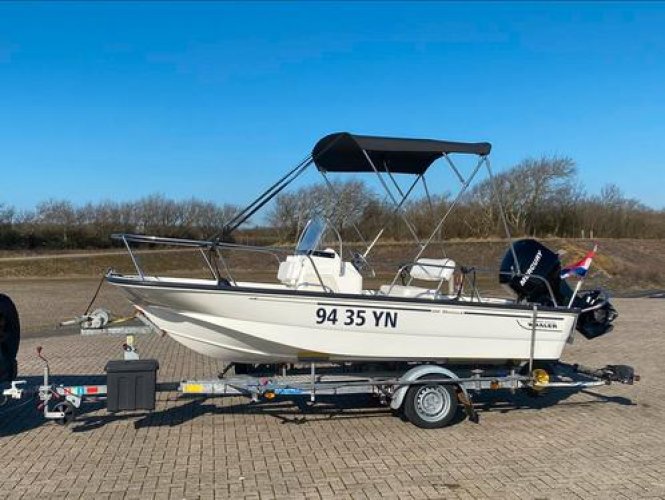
{"x": 579, "y": 268}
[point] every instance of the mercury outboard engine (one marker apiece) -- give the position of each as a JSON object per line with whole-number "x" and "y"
{"x": 540, "y": 279}
{"x": 10, "y": 337}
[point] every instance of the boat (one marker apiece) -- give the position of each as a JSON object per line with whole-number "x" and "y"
{"x": 318, "y": 309}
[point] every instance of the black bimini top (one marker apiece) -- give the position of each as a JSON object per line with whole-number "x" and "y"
{"x": 343, "y": 152}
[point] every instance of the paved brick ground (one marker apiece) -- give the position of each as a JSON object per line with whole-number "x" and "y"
{"x": 605, "y": 443}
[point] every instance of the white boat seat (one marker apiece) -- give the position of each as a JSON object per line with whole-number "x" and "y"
{"x": 426, "y": 270}
{"x": 433, "y": 269}
{"x": 408, "y": 291}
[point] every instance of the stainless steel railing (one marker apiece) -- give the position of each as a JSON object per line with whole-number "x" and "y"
{"x": 210, "y": 245}
{"x": 276, "y": 252}
{"x": 475, "y": 290}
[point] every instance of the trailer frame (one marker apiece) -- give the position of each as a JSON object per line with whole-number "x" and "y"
{"x": 411, "y": 389}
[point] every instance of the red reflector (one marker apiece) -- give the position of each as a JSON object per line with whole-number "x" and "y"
{"x": 92, "y": 390}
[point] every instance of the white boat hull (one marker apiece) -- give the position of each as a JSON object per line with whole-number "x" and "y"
{"x": 274, "y": 325}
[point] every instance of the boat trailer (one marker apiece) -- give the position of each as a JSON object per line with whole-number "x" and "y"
{"x": 428, "y": 395}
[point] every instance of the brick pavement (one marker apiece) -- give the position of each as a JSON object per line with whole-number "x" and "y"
{"x": 602, "y": 443}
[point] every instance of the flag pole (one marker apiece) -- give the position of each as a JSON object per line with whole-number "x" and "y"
{"x": 577, "y": 289}
{"x": 579, "y": 283}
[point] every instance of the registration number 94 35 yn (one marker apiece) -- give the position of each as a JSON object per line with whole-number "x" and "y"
{"x": 356, "y": 317}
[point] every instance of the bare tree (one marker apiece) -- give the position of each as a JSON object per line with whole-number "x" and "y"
{"x": 59, "y": 214}
{"x": 343, "y": 203}
{"x": 7, "y": 214}
{"x": 530, "y": 184}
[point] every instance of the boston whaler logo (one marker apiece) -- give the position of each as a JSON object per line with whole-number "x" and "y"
{"x": 552, "y": 326}
{"x": 546, "y": 325}
{"x": 531, "y": 268}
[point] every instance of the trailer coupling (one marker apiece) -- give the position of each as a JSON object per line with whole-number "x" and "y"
{"x": 622, "y": 374}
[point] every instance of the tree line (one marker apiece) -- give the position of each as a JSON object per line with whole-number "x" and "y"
{"x": 59, "y": 224}
{"x": 541, "y": 197}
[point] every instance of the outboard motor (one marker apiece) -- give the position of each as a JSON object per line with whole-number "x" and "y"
{"x": 540, "y": 279}
{"x": 10, "y": 337}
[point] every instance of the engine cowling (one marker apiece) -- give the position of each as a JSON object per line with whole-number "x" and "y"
{"x": 540, "y": 280}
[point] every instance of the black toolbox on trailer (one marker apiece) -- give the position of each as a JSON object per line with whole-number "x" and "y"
{"x": 131, "y": 384}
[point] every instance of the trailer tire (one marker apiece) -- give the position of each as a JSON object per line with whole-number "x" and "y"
{"x": 430, "y": 406}
{"x": 10, "y": 338}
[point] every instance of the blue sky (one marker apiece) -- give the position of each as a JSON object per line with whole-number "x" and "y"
{"x": 122, "y": 99}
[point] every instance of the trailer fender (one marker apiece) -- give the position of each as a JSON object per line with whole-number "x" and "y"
{"x": 415, "y": 374}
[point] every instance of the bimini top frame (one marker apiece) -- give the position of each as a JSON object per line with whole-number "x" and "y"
{"x": 384, "y": 156}
{"x": 344, "y": 152}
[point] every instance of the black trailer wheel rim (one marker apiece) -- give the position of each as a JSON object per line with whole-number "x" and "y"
{"x": 68, "y": 412}
{"x": 433, "y": 403}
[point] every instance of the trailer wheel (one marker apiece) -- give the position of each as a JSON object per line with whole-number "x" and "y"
{"x": 10, "y": 338}
{"x": 430, "y": 406}
{"x": 68, "y": 410}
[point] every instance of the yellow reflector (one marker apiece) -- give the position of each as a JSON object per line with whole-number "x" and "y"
{"x": 312, "y": 356}
{"x": 494, "y": 384}
{"x": 269, "y": 395}
{"x": 192, "y": 388}
{"x": 540, "y": 378}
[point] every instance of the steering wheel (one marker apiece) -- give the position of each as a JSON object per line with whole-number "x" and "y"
{"x": 360, "y": 263}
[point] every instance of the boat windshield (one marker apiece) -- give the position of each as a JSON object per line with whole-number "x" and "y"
{"x": 311, "y": 237}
